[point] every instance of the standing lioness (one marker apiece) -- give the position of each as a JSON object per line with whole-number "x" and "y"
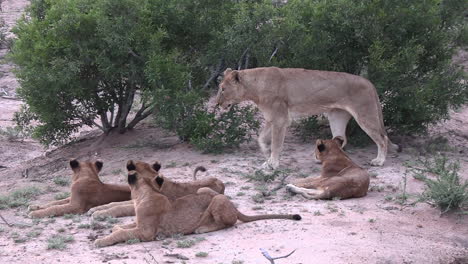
{"x": 279, "y": 92}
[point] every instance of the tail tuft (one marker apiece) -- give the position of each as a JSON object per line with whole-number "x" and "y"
{"x": 197, "y": 169}
{"x": 296, "y": 217}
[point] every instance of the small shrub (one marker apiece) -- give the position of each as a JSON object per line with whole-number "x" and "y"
{"x": 19, "y": 197}
{"x": 447, "y": 191}
{"x": 201, "y": 254}
{"x": 132, "y": 241}
{"x": 226, "y": 130}
{"x": 59, "y": 241}
{"x": 309, "y": 128}
{"x": 34, "y": 233}
{"x": 61, "y": 181}
{"x": 61, "y": 196}
{"x": 13, "y": 133}
{"x": 84, "y": 226}
{"x": 185, "y": 243}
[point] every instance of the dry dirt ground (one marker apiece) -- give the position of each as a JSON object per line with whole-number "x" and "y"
{"x": 373, "y": 229}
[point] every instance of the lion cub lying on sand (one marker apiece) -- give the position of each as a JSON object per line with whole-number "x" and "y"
{"x": 341, "y": 177}
{"x": 87, "y": 191}
{"x": 156, "y": 215}
{"x": 172, "y": 190}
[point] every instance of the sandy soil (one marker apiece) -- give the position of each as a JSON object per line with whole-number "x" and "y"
{"x": 373, "y": 229}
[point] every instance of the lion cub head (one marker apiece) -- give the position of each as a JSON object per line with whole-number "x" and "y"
{"x": 231, "y": 90}
{"x": 85, "y": 169}
{"x": 328, "y": 148}
{"x": 150, "y": 172}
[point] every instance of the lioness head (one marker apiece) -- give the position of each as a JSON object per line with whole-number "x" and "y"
{"x": 85, "y": 168}
{"x": 231, "y": 90}
{"x": 325, "y": 148}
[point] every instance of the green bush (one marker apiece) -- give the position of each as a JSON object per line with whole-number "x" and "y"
{"x": 226, "y": 130}
{"x": 447, "y": 191}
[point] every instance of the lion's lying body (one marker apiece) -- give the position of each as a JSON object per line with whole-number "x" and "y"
{"x": 87, "y": 191}
{"x": 281, "y": 92}
{"x": 171, "y": 189}
{"x": 203, "y": 212}
{"x": 340, "y": 178}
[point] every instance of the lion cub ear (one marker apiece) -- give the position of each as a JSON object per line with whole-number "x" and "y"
{"x": 99, "y": 165}
{"x": 320, "y": 145}
{"x": 156, "y": 166}
{"x": 159, "y": 180}
{"x": 339, "y": 140}
{"x": 131, "y": 165}
{"x": 74, "y": 164}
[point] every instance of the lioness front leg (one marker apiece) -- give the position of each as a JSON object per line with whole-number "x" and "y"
{"x": 264, "y": 139}
{"x": 107, "y": 206}
{"x": 116, "y": 211}
{"x": 277, "y": 138}
{"x": 307, "y": 193}
{"x": 59, "y": 202}
{"x": 57, "y": 210}
{"x": 122, "y": 235}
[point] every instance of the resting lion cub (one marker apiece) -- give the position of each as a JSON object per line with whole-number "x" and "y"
{"x": 340, "y": 177}
{"x": 87, "y": 191}
{"x": 172, "y": 190}
{"x": 203, "y": 212}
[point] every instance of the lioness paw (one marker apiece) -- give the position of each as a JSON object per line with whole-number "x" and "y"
{"x": 377, "y": 162}
{"x": 100, "y": 243}
{"x": 33, "y": 207}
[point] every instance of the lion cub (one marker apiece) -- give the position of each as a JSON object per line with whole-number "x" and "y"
{"x": 340, "y": 178}
{"x": 87, "y": 191}
{"x": 156, "y": 214}
{"x": 171, "y": 189}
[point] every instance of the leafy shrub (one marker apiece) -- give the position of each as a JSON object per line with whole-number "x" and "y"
{"x": 227, "y": 130}
{"x": 447, "y": 191}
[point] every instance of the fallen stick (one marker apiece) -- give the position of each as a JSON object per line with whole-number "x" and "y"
{"x": 271, "y": 259}
{"x": 4, "y": 220}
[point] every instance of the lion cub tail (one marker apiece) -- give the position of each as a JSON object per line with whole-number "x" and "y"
{"x": 197, "y": 169}
{"x": 247, "y": 218}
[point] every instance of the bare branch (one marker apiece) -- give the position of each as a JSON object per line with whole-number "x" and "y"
{"x": 273, "y": 54}
{"x": 140, "y": 115}
{"x": 4, "y": 220}
{"x": 215, "y": 73}
{"x": 272, "y": 259}
{"x": 239, "y": 64}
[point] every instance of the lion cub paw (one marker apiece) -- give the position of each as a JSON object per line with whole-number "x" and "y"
{"x": 33, "y": 207}
{"x": 100, "y": 243}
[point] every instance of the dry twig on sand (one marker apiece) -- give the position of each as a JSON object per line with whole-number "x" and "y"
{"x": 272, "y": 259}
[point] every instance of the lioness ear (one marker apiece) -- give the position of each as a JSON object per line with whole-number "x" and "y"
{"x": 235, "y": 75}
{"x": 74, "y": 164}
{"x": 320, "y": 145}
{"x": 159, "y": 181}
{"x": 99, "y": 165}
{"x": 156, "y": 166}
{"x": 132, "y": 178}
{"x": 339, "y": 140}
{"x": 228, "y": 70}
{"x": 130, "y": 165}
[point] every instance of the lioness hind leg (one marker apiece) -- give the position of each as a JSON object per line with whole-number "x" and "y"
{"x": 220, "y": 214}
{"x": 309, "y": 182}
{"x": 307, "y": 193}
{"x": 338, "y": 120}
{"x": 121, "y": 235}
{"x": 116, "y": 211}
{"x": 373, "y": 127}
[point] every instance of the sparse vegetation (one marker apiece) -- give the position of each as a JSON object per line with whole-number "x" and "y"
{"x": 61, "y": 181}
{"x": 132, "y": 241}
{"x": 61, "y": 196}
{"x": 187, "y": 243}
{"x": 201, "y": 254}
{"x": 19, "y": 197}
{"x": 446, "y": 190}
{"x": 59, "y": 241}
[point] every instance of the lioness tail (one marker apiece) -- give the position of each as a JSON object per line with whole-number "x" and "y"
{"x": 248, "y": 218}
{"x": 199, "y": 168}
